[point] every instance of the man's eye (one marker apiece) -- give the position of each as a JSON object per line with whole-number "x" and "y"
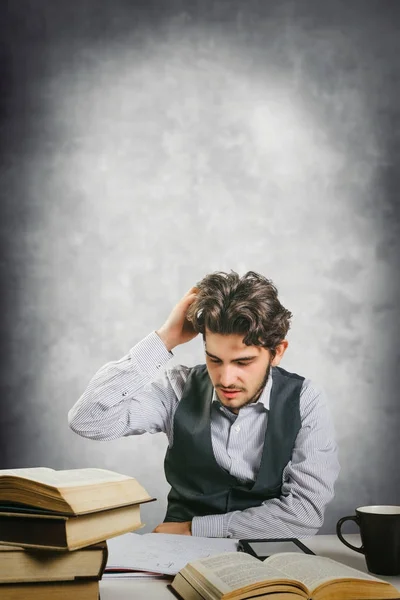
{"x": 215, "y": 361}
{"x": 243, "y": 364}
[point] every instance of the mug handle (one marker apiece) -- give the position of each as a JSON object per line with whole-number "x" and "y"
{"x": 341, "y": 538}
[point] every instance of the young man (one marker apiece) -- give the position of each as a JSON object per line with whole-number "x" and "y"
{"x": 251, "y": 447}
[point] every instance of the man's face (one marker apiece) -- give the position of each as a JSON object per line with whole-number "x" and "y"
{"x": 238, "y": 372}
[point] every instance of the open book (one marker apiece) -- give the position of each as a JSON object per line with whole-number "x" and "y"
{"x": 71, "y": 492}
{"x": 283, "y": 576}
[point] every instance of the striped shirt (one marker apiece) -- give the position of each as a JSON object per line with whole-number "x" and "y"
{"x": 139, "y": 394}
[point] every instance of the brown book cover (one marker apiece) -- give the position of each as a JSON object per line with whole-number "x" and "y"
{"x": 61, "y": 532}
{"x": 22, "y": 565}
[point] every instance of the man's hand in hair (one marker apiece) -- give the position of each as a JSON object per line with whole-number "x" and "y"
{"x": 177, "y": 329}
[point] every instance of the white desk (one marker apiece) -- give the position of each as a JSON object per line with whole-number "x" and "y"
{"x": 135, "y": 589}
{"x": 144, "y": 589}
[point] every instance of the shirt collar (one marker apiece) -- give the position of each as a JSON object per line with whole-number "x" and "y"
{"x": 264, "y": 397}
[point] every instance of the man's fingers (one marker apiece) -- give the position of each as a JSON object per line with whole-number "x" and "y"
{"x": 193, "y": 290}
{"x": 188, "y": 298}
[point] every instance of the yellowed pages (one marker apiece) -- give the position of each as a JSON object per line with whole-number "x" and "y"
{"x": 67, "y": 478}
{"x": 225, "y": 573}
{"x": 185, "y": 589}
{"x": 188, "y": 592}
{"x": 63, "y": 590}
{"x": 73, "y": 491}
{"x": 19, "y": 565}
{"x": 314, "y": 571}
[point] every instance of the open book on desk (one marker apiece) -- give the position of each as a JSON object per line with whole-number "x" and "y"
{"x": 283, "y": 576}
{"x": 160, "y": 552}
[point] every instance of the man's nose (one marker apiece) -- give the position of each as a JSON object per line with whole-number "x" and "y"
{"x": 226, "y": 377}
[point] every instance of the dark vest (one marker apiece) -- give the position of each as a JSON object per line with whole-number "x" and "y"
{"x": 199, "y": 486}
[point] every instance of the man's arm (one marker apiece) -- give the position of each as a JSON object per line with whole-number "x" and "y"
{"x": 308, "y": 484}
{"x": 133, "y": 396}
{"x": 130, "y": 396}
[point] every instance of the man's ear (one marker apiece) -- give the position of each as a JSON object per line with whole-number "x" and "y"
{"x": 280, "y": 351}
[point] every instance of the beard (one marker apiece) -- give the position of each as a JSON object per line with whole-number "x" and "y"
{"x": 260, "y": 388}
{"x": 253, "y": 398}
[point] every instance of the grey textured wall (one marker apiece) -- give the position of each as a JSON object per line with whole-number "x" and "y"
{"x": 145, "y": 144}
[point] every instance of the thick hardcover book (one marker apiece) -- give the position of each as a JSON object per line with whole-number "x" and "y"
{"x": 22, "y": 565}
{"x": 65, "y": 590}
{"x": 61, "y": 532}
{"x": 71, "y": 492}
{"x": 282, "y": 576}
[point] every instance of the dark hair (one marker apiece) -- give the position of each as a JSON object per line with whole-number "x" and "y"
{"x": 229, "y": 304}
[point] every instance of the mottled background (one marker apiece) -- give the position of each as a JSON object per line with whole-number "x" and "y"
{"x": 146, "y": 143}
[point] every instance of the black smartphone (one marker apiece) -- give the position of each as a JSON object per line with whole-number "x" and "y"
{"x": 262, "y": 548}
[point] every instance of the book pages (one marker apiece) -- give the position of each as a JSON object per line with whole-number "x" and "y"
{"x": 231, "y": 571}
{"x": 67, "y": 478}
{"x": 31, "y": 473}
{"x": 313, "y": 571}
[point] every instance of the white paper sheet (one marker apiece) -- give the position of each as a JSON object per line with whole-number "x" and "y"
{"x": 162, "y": 552}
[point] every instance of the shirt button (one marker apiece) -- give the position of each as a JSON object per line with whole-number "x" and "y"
{"x": 124, "y": 393}
{"x": 158, "y": 366}
{"x": 237, "y": 427}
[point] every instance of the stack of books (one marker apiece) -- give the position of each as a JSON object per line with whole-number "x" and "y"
{"x": 54, "y": 526}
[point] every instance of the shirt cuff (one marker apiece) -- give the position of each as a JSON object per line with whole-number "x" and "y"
{"x": 151, "y": 354}
{"x": 210, "y": 526}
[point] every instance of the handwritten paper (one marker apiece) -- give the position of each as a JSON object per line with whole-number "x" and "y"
{"x": 162, "y": 552}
